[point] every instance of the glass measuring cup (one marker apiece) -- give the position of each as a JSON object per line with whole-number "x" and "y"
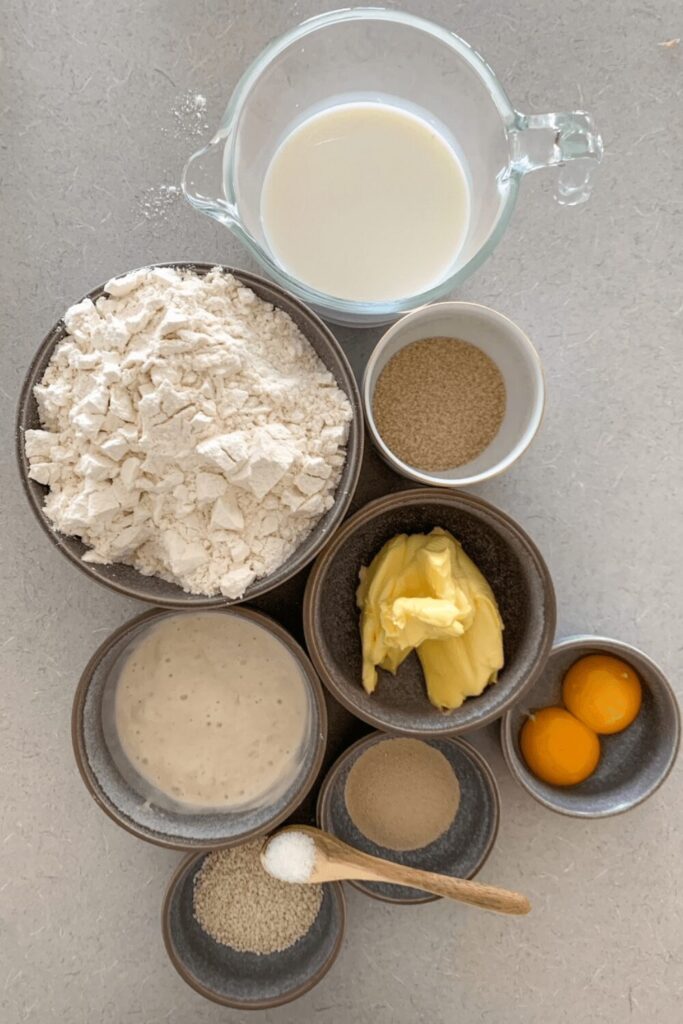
{"x": 378, "y": 55}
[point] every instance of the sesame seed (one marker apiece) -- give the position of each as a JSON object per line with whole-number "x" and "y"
{"x": 240, "y": 905}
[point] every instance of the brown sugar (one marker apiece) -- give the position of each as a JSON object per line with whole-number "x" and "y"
{"x": 438, "y": 403}
{"x": 402, "y": 794}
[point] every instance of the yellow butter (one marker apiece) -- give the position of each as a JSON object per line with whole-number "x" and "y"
{"x": 422, "y": 592}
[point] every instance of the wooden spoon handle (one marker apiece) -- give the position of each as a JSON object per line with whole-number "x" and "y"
{"x": 490, "y": 897}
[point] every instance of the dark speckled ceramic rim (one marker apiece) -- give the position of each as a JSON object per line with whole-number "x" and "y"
{"x": 619, "y": 649}
{"x": 354, "y": 448}
{"x": 377, "y": 508}
{"x": 78, "y": 739}
{"x": 208, "y": 993}
{"x": 324, "y": 797}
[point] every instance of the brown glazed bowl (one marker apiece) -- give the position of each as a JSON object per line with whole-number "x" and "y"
{"x": 131, "y": 801}
{"x": 461, "y": 851}
{"x": 247, "y": 981}
{"x": 506, "y": 556}
{"x": 124, "y": 578}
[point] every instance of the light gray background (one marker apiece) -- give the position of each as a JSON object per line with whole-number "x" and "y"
{"x": 88, "y": 93}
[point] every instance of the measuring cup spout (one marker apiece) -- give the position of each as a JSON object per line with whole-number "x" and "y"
{"x": 202, "y": 182}
{"x": 567, "y": 141}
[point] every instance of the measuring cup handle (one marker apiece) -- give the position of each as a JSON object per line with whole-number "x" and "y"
{"x": 568, "y": 141}
{"x": 202, "y": 182}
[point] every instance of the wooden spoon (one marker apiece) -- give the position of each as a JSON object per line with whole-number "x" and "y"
{"x": 337, "y": 861}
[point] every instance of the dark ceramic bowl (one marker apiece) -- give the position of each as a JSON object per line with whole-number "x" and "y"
{"x": 124, "y": 578}
{"x": 633, "y": 763}
{"x": 247, "y": 981}
{"x": 130, "y": 800}
{"x": 503, "y": 552}
{"x": 461, "y": 851}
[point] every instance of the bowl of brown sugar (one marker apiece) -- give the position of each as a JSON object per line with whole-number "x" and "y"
{"x": 453, "y": 394}
{"x": 430, "y": 804}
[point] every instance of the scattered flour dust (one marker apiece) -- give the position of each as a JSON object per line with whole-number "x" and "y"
{"x": 189, "y": 115}
{"x": 156, "y": 201}
{"x": 189, "y": 430}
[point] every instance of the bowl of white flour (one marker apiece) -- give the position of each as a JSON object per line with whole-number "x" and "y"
{"x": 190, "y": 435}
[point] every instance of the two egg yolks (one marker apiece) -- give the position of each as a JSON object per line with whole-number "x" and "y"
{"x": 602, "y": 695}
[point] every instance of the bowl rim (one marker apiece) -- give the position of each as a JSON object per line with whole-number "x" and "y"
{"x": 324, "y": 798}
{"x": 178, "y": 874}
{"x": 371, "y": 510}
{"x": 342, "y": 501}
{"x": 90, "y": 780}
{"x": 611, "y": 646}
{"x": 523, "y": 344}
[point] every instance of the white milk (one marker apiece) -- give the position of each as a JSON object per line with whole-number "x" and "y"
{"x": 366, "y": 201}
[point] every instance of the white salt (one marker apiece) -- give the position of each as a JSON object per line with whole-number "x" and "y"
{"x": 290, "y": 856}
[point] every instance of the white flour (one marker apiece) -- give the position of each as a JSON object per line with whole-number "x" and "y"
{"x": 190, "y": 430}
{"x": 190, "y": 115}
{"x": 156, "y": 202}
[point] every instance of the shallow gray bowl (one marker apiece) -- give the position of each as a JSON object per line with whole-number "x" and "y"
{"x": 129, "y": 800}
{"x": 503, "y": 552}
{"x": 633, "y": 764}
{"x": 247, "y": 981}
{"x": 125, "y": 579}
{"x": 461, "y": 851}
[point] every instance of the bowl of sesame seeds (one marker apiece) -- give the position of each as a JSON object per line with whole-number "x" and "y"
{"x": 453, "y": 394}
{"x": 244, "y": 939}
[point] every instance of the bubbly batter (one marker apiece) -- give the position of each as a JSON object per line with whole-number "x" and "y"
{"x": 212, "y": 710}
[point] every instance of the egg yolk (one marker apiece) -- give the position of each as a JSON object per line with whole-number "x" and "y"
{"x": 558, "y": 748}
{"x": 603, "y": 692}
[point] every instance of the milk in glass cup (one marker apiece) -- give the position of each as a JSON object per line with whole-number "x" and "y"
{"x": 367, "y": 62}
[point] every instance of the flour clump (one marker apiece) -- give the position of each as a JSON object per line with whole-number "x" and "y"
{"x": 188, "y": 429}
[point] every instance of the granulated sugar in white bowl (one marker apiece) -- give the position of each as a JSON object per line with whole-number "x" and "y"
{"x": 188, "y": 429}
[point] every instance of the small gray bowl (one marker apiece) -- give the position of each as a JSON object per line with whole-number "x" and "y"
{"x": 247, "y": 981}
{"x": 124, "y": 578}
{"x": 461, "y": 851}
{"x": 633, "y": 763}
{"x": 504, "y": 553}
{"x": 129, "y": 800}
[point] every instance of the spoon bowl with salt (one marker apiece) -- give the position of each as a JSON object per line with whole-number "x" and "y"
{"x": 303, "y": 854}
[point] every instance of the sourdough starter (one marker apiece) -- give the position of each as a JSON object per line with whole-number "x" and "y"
{"x": 212, "y": 710}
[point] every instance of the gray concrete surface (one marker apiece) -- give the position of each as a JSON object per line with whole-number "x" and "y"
{"x": 88, "y": 138}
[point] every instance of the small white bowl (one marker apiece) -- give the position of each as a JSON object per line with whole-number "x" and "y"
{"x": 516, "y": 359}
